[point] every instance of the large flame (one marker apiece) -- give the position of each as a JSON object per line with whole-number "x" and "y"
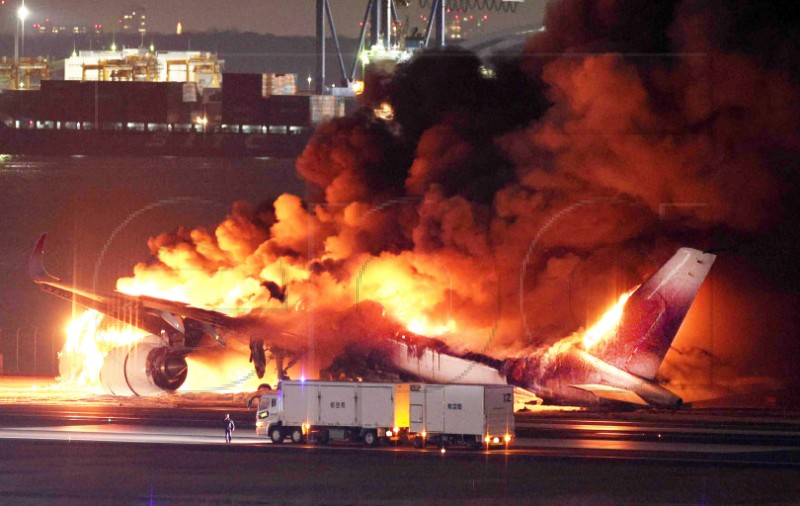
{"x": 603, "y": 329}
{"x": 423, "y": 326}
{"x": 89, "y": 338}
{"x": 607, "y": 325}
{"x": 88, "y": 341}
{"x": 228, "y": 374}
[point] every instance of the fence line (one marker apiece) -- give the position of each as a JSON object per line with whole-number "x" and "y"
{"x": 27, "y": 349}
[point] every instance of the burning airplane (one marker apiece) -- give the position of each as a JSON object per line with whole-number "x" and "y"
{"x": 616, "y": 360}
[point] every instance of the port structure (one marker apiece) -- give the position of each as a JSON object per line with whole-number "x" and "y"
{"x": 380, "y": 24}
{"x": 23, "y": 73}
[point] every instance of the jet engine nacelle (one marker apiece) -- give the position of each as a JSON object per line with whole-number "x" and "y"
{"x": 146, "y": 368}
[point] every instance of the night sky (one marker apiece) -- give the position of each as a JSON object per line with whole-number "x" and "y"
{"x": 287, "y": 17}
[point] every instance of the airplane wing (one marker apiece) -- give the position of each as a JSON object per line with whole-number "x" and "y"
{"x": 183, "y": 325}
{"x": 610, "y": 393}
{"x": 146, "y": 313}
{"x": 52, "y": 284}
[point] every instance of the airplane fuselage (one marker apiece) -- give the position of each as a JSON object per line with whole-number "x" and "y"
{"x": 581, "y": 378}
{"x": 574, "y": 378}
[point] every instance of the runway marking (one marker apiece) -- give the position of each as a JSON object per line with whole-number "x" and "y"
{"x": 655, "y": 430}
{"x": 201, "y": 436}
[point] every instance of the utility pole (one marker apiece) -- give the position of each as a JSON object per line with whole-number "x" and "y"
{"x": 375, "y": 36}
{"x": 324, "y": 13}
{"x": 441, "y": 35}
{"x": 320, "y": 84}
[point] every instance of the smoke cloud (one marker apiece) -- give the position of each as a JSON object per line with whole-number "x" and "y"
{"x": 503, "y": 211}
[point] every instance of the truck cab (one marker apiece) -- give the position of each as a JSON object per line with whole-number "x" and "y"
{"x": 270, "y": 407}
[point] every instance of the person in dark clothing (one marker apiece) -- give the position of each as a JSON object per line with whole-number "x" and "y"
{"x": 229, "y": 428}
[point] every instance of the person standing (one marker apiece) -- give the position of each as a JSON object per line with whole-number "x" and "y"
{"x": 229, "y": 428}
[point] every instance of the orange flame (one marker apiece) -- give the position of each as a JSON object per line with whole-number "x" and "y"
{"x": 89, "y": 341}
{"x": 607, "y": 325}
{"x": 228, "y": 374}
{"x": 87, "y": 344}
{"x": 422, "y": 326}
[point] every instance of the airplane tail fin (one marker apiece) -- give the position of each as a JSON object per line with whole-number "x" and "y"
{"x": 654, "y": 313}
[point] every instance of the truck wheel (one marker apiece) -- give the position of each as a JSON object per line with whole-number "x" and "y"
{"x": 297, "y": 435}
{"x": 276, "y": 435}
{"x": 419, "y": 442}
{"x": 371, "y": 438}
{"x": 323, "y": 438}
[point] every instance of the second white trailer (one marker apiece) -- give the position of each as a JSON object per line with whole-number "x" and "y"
{"x": 474, "y": 415}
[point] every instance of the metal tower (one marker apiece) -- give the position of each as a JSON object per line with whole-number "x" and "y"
{"x": 380, "y": 20}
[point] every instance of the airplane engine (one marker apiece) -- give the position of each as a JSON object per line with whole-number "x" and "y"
{"x": 147, "y": 368}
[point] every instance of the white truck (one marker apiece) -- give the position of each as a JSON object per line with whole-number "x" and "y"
{"x": 478, "y": 416}
{"x": 325, "y": 410}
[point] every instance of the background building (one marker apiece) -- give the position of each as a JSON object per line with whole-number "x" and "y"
{"x": 134, "y": 20}
{"x": 133, "y": 64}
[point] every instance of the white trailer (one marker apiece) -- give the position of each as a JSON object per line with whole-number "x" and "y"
{"x": 474, "y": 415}
{"x": 325, "y": 410}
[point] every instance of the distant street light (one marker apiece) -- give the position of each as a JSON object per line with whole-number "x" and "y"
{"x": 309, "y": 82}
{"x": 22, "y": 14}
{"x": 19, "y": 47}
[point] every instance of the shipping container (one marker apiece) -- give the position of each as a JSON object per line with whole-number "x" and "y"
{"x": 22, "y": 104}
{"x": 145, "y": 102}
{"x": 190, "y": 92}
{"x": 303, "y": 110}
{"x": 289, "y": 110}
{"x": 103, "y": 102}
{"x": 242, "y": 101}
{"x": 61, "y": 100}
{"x": 278, "y": 84}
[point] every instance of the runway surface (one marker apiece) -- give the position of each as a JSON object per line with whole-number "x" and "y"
{"x": 171, "y": 450}
{"x": 689, "y": 437}
{"x": 204, "y": 470}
